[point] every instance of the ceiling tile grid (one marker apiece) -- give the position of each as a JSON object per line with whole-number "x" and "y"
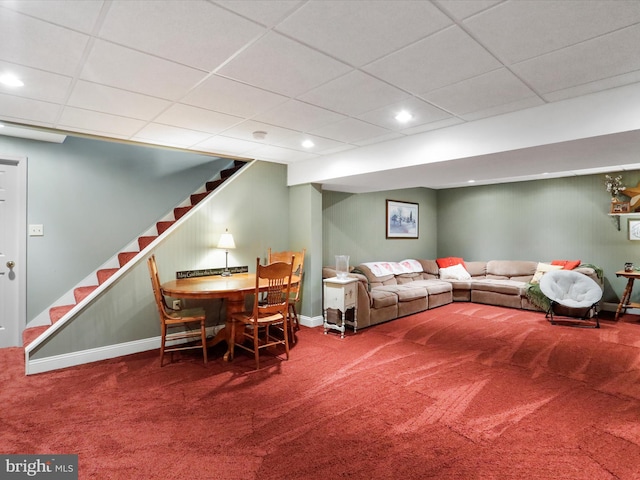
{"x": 206, "y": 74}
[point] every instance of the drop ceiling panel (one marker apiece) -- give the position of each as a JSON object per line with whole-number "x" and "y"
{"x": 194, "y": 33}
{"x": 34, "y": 43}
{"x": 228, "y": 96}
{"x": 345, "y": 30}
{"x": 280, "y": 154}
{"x": 144, "y": 73}
{"x": 462, "y": 9}
{"x": 27, "y": 110}
{"x": 168, "y": 135}
{"x": 350, "y": 130}
{"x": 265, "y": 12}
{"x": 447, "y": 57}
{"x": 353, "y": 94}
{"x": 517, "y": 31}
{"x": 492, "y": 89}
{"x": 192, "y": 118}
{"x": 96, "y": 123}
{"x": 226, "y": 145}
{"x": 115, "y": 101}
{"x": 596, "y": 59}
{"x": 38, "y": 84}
{"x": 281, "y": 65}
{"x": 299, "y": 116}
{"x": 73, "y": 14}
{"x": 422, "y": 113}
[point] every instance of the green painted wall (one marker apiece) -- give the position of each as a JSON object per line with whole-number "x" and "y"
{"x": 542, "y": 220}
{"x": 355, "y": 225}
{"x": 94, "y": 198}
{"x": 254, "y": 206}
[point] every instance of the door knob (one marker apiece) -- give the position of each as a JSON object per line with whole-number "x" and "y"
{"x": 11, "y": 264}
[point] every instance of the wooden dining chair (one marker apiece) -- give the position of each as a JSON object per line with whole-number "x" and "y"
{"x": 177, "y": 325}
{"x": 270, "y": 311}
{"x": 296, "y": 288}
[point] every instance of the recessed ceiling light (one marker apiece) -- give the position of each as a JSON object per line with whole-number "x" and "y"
{"x": 471, "y": 181}
{"x": 10, "y": 80}
{"x": 404, "y": 116}
{"x": 308, "y": 144}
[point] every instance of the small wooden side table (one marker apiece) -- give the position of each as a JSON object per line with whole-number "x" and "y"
{"x": 626, "y": 296}
{"x": 340, "y": 294}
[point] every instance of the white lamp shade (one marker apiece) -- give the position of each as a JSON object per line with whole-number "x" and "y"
{"x": 226, "y": 241}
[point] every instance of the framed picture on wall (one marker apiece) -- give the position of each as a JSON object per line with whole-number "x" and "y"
{"x": 634, "y": 229}
{"x": 402, "y": 219}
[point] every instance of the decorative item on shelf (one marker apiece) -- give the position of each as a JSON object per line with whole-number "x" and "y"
{"x": 620, "y": 207}
{"x": 634, "y": 197}
{"x": 226, "y": 242}
{"x": 342, "y": 266}
{"x": 628, "y": 267}
{"x": 614, "y": 186}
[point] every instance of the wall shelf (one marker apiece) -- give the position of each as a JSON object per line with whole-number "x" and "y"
{"x": 617, "y": 216}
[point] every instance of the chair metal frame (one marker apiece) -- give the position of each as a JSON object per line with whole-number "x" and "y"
{"x": 590, "y": 308}
{"x": 171, "y": 319}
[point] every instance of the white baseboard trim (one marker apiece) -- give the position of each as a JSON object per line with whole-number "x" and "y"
{"x": 97, "y": 354}
{"x": 88, "y": 356}
{"x": 311, "y": 322}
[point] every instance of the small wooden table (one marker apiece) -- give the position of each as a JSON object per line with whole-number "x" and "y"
{"x": 626, "y": 296}
{"x": 232, "y": 288}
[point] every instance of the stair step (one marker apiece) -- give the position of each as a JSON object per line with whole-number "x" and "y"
{"x": 30, "y": 334}
{"x": 125, "y": 257}
{"x": 143, "y": 242}
{"x": 56, "y": 313}
{"x": 198, "y": 197}
{"x": 162, "y": 226}
{"x": 81, "y": 293}
{"x": 229, "y": 171}
{"x": 104, "y": 274}
{"x": 213, "y": 184}
{"x": 178, "y": 212}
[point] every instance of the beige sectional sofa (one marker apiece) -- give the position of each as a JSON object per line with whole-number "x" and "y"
{"x": 383, "y": 297}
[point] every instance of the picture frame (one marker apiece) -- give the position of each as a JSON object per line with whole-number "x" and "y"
{"x": 634, "y": 228}
{"x": 620, "y": 207}
{"x": 402, "y": 219}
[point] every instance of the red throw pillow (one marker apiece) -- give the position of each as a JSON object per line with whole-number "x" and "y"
{"x": 567, "y": 264}
{"x": 450, "y": 262}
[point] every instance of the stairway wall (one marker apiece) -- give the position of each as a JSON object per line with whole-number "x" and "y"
{"x": 254, "y": 206}
{"x": 93, "y": 198}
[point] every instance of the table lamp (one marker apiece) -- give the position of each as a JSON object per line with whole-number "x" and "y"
{"x": 226, "y": 242}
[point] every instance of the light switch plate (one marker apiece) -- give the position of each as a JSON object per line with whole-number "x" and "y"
{"x": 36, "y": 230}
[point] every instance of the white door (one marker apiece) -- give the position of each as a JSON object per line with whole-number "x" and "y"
{"x": 12, "y": 267}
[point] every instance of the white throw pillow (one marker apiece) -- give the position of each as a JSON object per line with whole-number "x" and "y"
{"x": 542, "y": 269}
{"x": 457, "y": 272}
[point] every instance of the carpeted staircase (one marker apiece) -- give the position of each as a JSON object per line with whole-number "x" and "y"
{"x": 80, "y": 293}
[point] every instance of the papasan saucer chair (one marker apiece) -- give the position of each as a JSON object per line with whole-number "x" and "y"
{"x": 573, "y": 295}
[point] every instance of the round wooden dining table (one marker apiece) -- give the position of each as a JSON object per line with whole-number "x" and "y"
{"x": 232, "y": 288}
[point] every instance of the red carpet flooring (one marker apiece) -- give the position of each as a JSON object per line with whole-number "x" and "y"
{"x": 460, "y": 392}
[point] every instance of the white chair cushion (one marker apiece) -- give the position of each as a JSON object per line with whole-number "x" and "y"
{"x": 571, "y": 289}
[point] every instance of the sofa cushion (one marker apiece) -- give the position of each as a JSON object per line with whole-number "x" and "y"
{"x": 434, "y": 287}
{"x": 511, "y": 269}
{"x": 476, "y": 269}
{"x": 408, "y": 278}
{"x": 445, "y": 262}
{"x": 542, "y": 269}
{"x": 405, "y": 293}
{"x": 382, "y": 298}
{"x": 429, "y": 267}
{"x": 567, "y": 264}
{"x": 507, "y": 287}
{"x": 455, "y": 272}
